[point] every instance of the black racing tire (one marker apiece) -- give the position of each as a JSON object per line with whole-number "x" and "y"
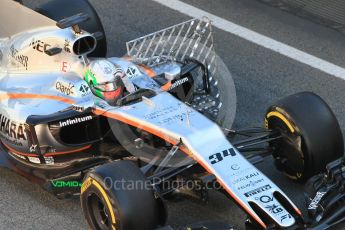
{"x": 60, "y": 9}
{"x": 311, "y": 135}
{"x": 108, "y": 202}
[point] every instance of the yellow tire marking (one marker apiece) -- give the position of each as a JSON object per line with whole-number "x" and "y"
{"x": 291, "y": 128}
{"x": 86, "y": 185}
{"x": 298, "y": 176}
{"x": 281, "y": 117}
{"x": 107, "y": 201}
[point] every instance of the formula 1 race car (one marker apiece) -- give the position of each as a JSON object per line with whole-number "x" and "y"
{"x": 126, "y": 133}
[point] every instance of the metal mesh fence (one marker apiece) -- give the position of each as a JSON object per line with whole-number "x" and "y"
{"x": 191, "y": 39}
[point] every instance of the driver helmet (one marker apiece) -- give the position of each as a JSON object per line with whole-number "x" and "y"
{"x": 105, "y": 80}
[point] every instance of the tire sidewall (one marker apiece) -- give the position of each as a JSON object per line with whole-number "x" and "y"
{"x": 134, "y": 208}
{"x": 93, "y": 189}
{"x": 316, "y": 124}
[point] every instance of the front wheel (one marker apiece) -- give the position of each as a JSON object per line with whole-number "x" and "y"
{"x": 118, "y": 196}
{"x": 311, "y": 136}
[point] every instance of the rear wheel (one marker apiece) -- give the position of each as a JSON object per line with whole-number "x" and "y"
{"x": 60, "y": 9}
{"x": 118, "y": 196}
{"x": 311, "y": 136}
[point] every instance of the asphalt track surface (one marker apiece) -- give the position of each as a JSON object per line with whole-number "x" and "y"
{"x": 261, "y": 76}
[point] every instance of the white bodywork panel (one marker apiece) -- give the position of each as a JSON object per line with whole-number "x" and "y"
{"x": 204, "y": 139}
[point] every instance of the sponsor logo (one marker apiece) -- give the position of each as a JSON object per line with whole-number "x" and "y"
{"x": 160, "y": 112}
{"x": 85, "y": 90}
{"x": 49, "y": 160}
{"x": 178, "y": 83}
{"x": 78, "y": 108}
{"x": 218, "y": 157}
{"x": 265, "y": 199}
{"x": 285, "y": 217}
{"x": 315, "y": 202}
{"x": 65, "y": 66}
{"x": 239, "y": 173}
{"x": 12, "y": 129}
{"x": 175, "y": 118}
{"x": 235, "y": 167}
{"x": 33, "y": 148}
{"x": 66, "y": 184}
{"x": 65, "y": 88}
{"x": 34, "y": 160}
{"x": 247, "y": 177}
{"x": 21, "y": 59}
{"x": 258, "y": 190}
{"x": 74, "y": 121}
{"x": 169, "y": 114}
{"x": 250, "y": 184}
{"x": 274, "y": 209}
{"x": 132, "y": 72}
{"x": 39, "y": 45}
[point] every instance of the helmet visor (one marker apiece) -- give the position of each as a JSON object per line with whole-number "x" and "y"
{"x": 106, "y": 87}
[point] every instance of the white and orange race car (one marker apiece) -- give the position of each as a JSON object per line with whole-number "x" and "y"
{"x": 126, "y": 133}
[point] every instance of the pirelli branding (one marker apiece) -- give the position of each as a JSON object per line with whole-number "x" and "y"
{"x": 258, "y": 190}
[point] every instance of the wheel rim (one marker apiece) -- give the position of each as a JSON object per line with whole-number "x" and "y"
{"x": 293, "y": 159}
{"x": 98, "y": 212}
{"x": 288, "y": 151}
